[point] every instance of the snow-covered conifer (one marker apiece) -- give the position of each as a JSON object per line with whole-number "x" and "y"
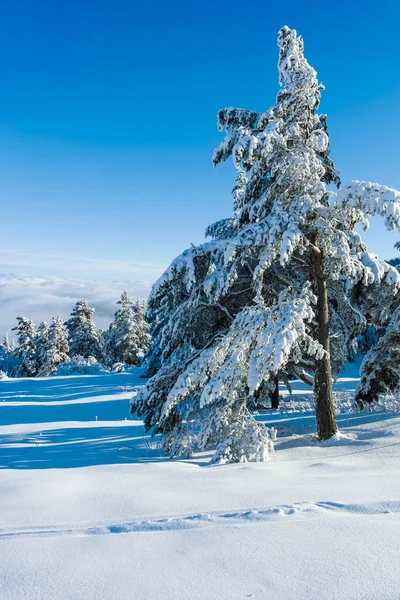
{"x": 395, "y": 261}
{"x": 109, "y": 348}
{"x": 7, "y": 361}
{"x": 55, "y": 348}
{"x": 380, "y": 372}
{"x": 127, "y": 340}
{"x": 83, "y": 338}
{"x": 41, "y": 344}
{"x": 25, "y": 349}
{"x": 6, "y": 344}
{"x": 143, "y": 336}
{"x": 278, "y": 288}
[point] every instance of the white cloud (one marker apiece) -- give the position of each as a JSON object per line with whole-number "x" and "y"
{"x": 40, "y": 287}
{"x": 41, "y": 298}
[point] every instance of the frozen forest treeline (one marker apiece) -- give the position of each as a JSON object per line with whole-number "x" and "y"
{"x": 77, "y": 345}
{"x": 283, "y": 289}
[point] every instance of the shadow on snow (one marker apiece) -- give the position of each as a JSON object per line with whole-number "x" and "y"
{"x": 78, "y": 447}
{"x": 80, "y": 421}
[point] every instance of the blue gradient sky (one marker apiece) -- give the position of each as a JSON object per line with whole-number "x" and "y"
{"x": 108, "y": 117}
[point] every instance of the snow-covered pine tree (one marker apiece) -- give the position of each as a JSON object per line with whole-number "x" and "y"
{"x": 100, "y": 335}
{"x": 108, "y": 347}
{"x": 127, "y": 334}
{"x": 55, "y": 348}
{"x": 380, "y": 371}
{"x": 25, "y": 349}
{"x": 143, "y": 336}
{"x": 127, "y": 340}
{"x": 273, "y": 290}
{"x": 7, "y": 360}
{"x": 6, "y": 344}
{"x": 83, "y": 338}
{"x": 41, "y": 344}
{"x": 396, "y": 261}
{"x": 381, "y": 365}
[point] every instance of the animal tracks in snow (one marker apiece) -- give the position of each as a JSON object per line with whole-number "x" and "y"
{"x": 208, "y": 519}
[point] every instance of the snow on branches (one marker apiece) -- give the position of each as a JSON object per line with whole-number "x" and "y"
{"x": 258, "y": 343}
{"x": 42, "y": 350}
{"x": 381, "y": 365}
{"x": 126, "y": 340}
{"x": 359, "y": 200}
{"x": 285, "y": 285}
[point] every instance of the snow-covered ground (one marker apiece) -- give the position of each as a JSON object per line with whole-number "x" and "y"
{"x": 90, "y": 509}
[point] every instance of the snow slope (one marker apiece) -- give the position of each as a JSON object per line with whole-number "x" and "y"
{"x": 89, "y": 507}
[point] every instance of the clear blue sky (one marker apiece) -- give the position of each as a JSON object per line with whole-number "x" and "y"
{"x": 108, "y": 114}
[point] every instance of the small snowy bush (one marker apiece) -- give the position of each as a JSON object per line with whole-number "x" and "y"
{"x": 118, "y": 367}
{"x": 81, "y": 366}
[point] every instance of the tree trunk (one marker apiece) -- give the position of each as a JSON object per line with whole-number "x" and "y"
{"x": 324, "y": 407}
{"x": 275, "y": 393}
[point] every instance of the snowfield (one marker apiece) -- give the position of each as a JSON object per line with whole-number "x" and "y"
{"x": 90, "y": 508}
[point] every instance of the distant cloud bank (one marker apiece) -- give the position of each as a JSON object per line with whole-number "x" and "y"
{"x": 42, "y": 287}
{"x": 42, "y": 298}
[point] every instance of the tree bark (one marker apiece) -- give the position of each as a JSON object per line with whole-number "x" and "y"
{"x": 275, "y": 393}
{"x": 324, "y": 407}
